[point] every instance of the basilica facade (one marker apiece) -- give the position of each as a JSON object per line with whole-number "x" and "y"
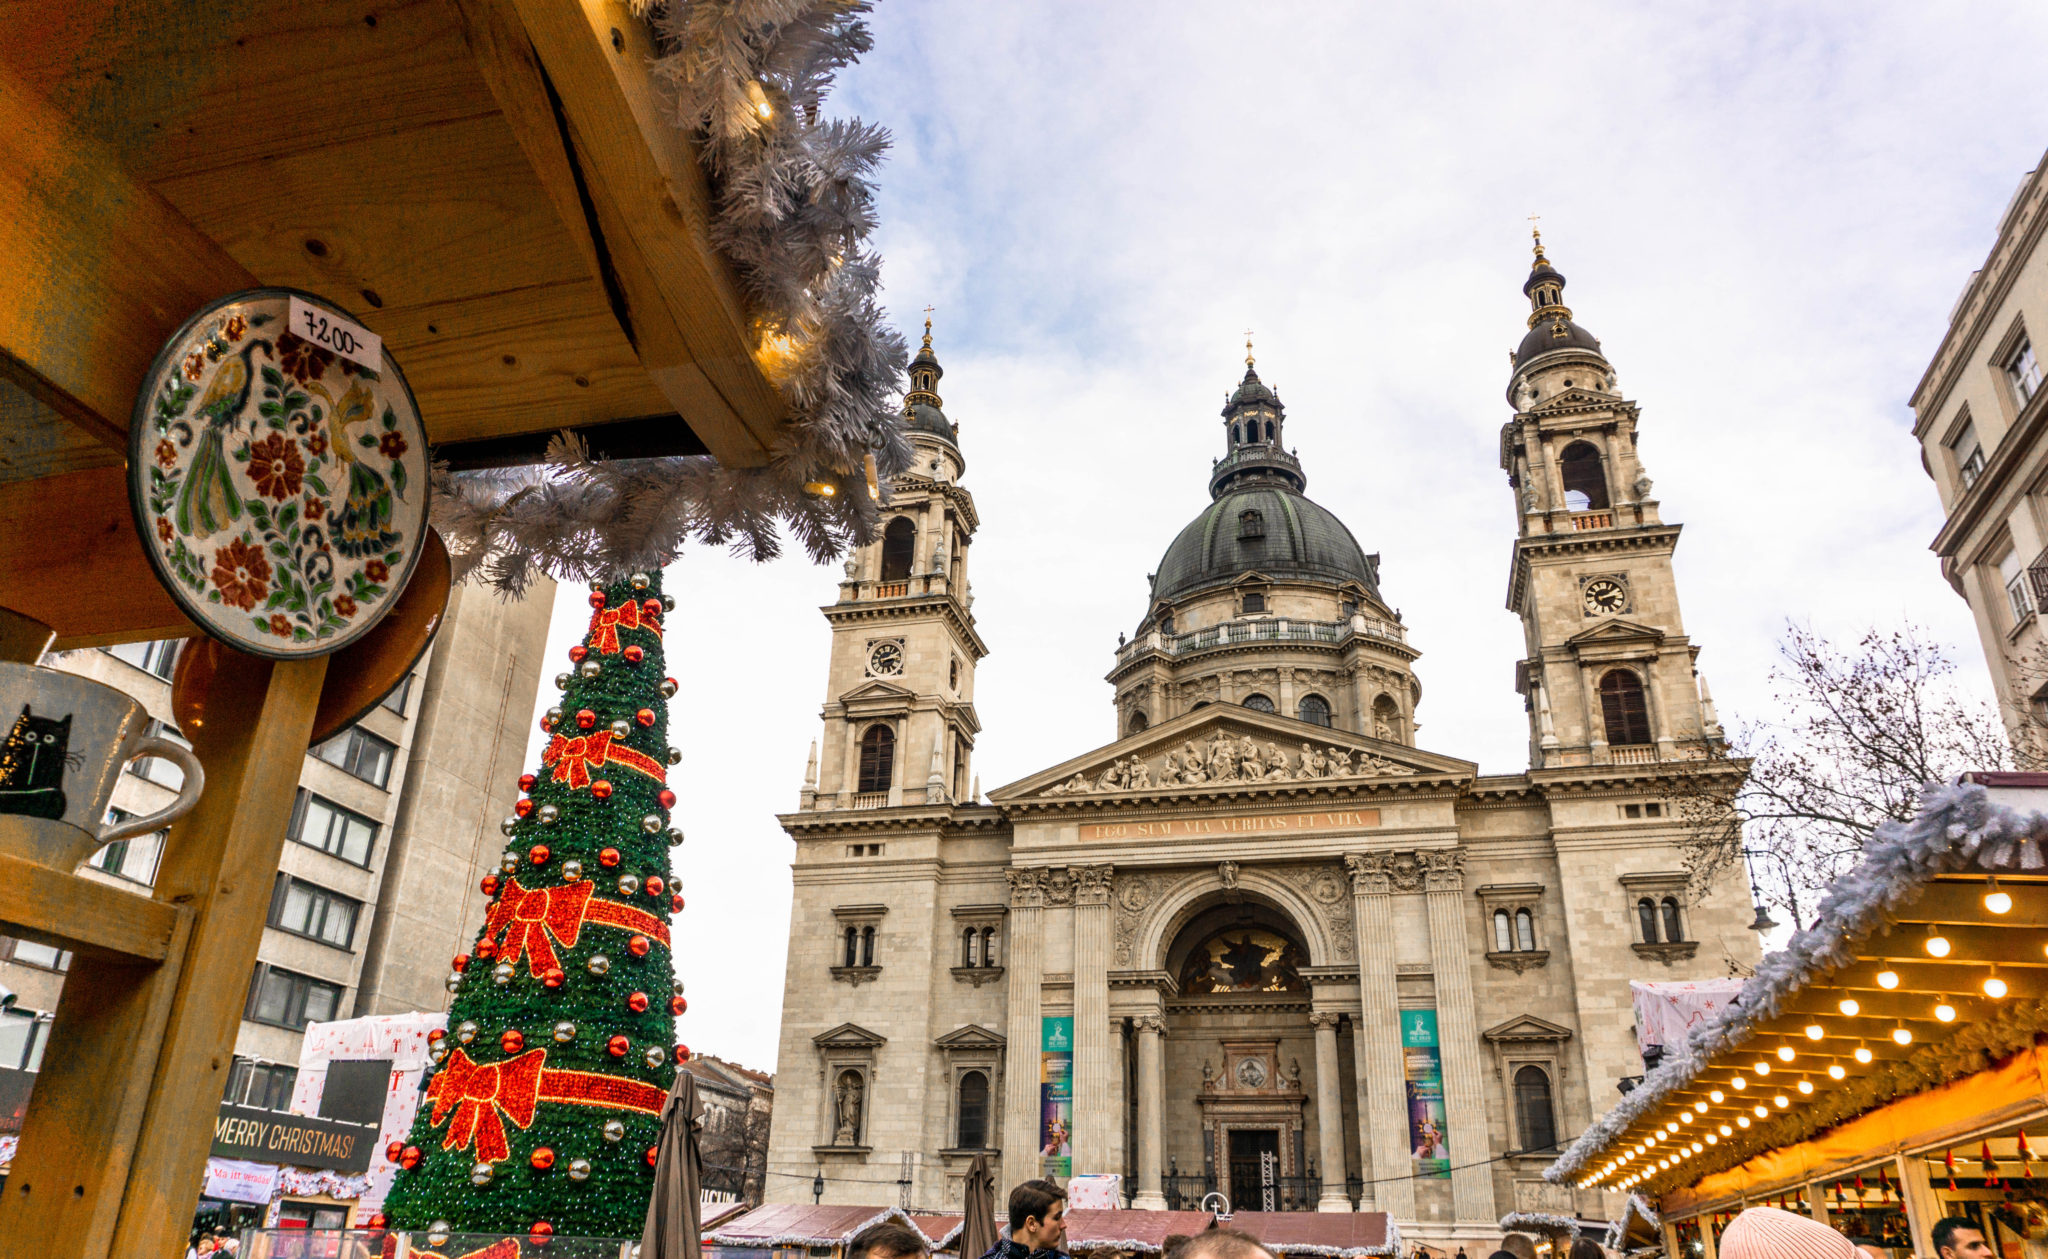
{"x": 1263, "y": 944}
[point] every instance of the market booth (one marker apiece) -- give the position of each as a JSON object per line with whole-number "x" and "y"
{"x": 498, "y": 195}
{"x": 1881, "y": 1072}
{"x": 795, "y": 1231}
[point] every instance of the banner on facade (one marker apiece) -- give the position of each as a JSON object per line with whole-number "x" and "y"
{"x": 240, "y": 1180}
{"x": 1422, "y": 1066}
{"x": 271, "y": 1136}
{"x": 1056, "y": 1097}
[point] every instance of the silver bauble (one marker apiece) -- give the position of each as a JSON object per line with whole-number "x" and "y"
{"x": 554, "y": 715}
{"x": 621, "y": 728}
{"x": 614, "y": 1130}
{"x": 466, "y": 1031}
{"x": 651, "y": 823}
{"x": 437, "y": 1052}
{"x": 509, "y": 863}
{"x": 641, "y": 581}
{"x": 561, "y": 681}
{"x": 480, "y": 1174}
{"x": 668, "y": 603}
{"x": 437, "y": 1232}
{"x": 548, "y": 814}
{"x": 678, "y": 986}
{"x": 454, "y": 981}
{"x": 598, "y": 964}
{"x": 590, "y": 668}
{"x": 565, "y": 1031}
{"x": 572, "y": 870}
{"x": 502, "y": 973}
{"x": 675, "y": 756}
{"x": 507, "y": 826}
{"x": 675, "y": 836}
{"x": 629, "y": 884}
{"x": 668, "y": 688}
{"x": 654, "y": 1056}
{"x": 579, "y": 1168}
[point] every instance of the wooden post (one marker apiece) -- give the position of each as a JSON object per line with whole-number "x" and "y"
{"x": 219, "y": 861}
{"x": 23, "y": 639}
{"x": 1917, "y": 1191}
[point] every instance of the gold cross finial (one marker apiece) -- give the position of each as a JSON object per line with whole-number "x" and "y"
{"x": 1536, "y": 233}
{"x": 1247, "y": 347}
{"x": 928, "y": 326}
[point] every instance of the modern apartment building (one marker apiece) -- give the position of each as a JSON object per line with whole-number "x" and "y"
{"x": 396, "y": 817}
{"x": 1981, "y": 418}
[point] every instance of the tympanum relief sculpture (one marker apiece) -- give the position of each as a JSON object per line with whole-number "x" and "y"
{"x": 1227, "y": 759}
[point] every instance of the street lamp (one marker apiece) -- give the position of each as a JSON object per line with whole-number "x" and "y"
{"x": 818, "y": 1187}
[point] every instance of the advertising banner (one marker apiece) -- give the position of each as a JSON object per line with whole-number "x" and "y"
{"x": 1056, "y": 1097}
{"x": 1422, "y": 1065}
{"x": 272, "y": 1136}
{"x": 239, "y": 1180}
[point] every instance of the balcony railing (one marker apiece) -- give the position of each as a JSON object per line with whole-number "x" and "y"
{"x": 871, "y": 800}
{"x": 2037, "y": 581}
{"x": 1264, "y": 630}
{"x": 1583, "y": 520}
{"x": 1633, "y": 754}
{"x": 891, "y": 589}
{"x": 1290, "y": 1193}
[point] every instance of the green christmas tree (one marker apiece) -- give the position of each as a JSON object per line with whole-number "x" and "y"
{"x": 542, "y": 1113}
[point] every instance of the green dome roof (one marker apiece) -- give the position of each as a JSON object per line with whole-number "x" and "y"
{"x": 1294, "y": 538}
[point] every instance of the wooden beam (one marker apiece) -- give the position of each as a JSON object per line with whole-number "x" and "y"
{"x": 219, "y": 861}
{"x": 100, "y": 270}
{"x": 69, "y": 558}
{"x": 90, "y": 918}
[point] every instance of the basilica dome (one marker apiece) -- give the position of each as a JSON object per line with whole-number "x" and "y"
{"x": 1290, "y": 536}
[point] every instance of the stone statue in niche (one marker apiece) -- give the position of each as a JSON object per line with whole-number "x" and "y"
{"x": 1381, "y": 730}
{"x": 847, "y": 1099}
{"x": 1294, "y": 1074}
{"x": 1208, "y": 1077}
{"x": 851, "y": 566}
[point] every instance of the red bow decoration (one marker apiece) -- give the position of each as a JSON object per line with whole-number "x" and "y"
{"x": 607, "y": 622}
{"x": 528, "y": 916}
{"x": 479, "y": 1094}
{"x": 573, "y": 759}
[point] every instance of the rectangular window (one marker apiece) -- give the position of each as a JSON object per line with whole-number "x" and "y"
{"x": 23, "y": 1033}
{"x": 360, "y": 753}
{"x": 322, "y": 824}
{"x": 134, "y": 858}
{"x": 265, "y": 1085}
{"x": 395, "y": 701}
{"x": 43, "y": 956}
{"x": 284, "y": 998}
{"x": 2023, "y": 371}
{"x": 1968, "y": 453}
{"x": 314, "y": 912}
{"x": 2015, "y": 579}
{"x": 159, "y": 657}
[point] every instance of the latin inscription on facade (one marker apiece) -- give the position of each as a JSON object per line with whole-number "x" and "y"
{"x": 1263, "y": 823}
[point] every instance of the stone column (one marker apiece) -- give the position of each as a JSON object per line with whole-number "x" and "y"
{"x": 1095, "y": 1114}
{"x": 1024, "y": 961}
{"x": 1329, "y": 1113}
{"x": 1383, "y": 1110}
{"x": 1450, "y": 953}
{"x": 1151, "y": 1029}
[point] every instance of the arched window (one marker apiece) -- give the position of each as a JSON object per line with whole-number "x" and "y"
{"x": 899, "y": 541}
{"x": 1236, "y": 435}
{"x": 1533, "y": 1111}
{"x": 1258, "y": 703}
{"x": 973, "y": 1110}
{"x": 877, "y": 759}
{"x": 988, "y": 946}
{"x": 1525, "y": 931}
{"x": 852, "y": 947}
{"x": 1623, "y": 709}
{"x": 1313, "y": 709}
{"x": 1502, "y": 940}
{"x": 1269, "y": 430}
{"x": 967, "y": 940}
{"x": 1674, "y": 929}
{"x": 1139, "y": 721}
{"x": 1251, "y": 524}
{"x": 1200, "y": 703}
{"x": 1585, "y": 480}
{"x": 1254, "y": 602}
{"x": 1646, "y": 918}
{"x": 867, "y": 946}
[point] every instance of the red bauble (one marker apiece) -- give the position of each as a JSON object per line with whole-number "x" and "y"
{"x": 461, "y": 962}
{"x": 540, "y": 1232}
{"x": 637, "y": 1003}
{"x": 485, "y": 949}
{"x": 546, "y": 726}
{"x": 597, "y": 599}
{"x": 653, "y": 1155}
{"x": 667, "y": 798}
{"x": 585, "y": 719}
{"x": 675, "y": 904}
{"x": 654, "y": 885}
{"x": 526, "y": 782}
{"x": 676, "y": 1005}
{"x": 522, "y": 807}
{"x": 553, "y": 977}
{"x": 393, "y": 1150}
{"x": 434, "y": 1037}
{"x": 638, "y": 946}
{"x": 538, "y": 854}
{"x": 645, "y": 716}
{"x": 602, "y": 789}
{"x": 609, "y": 857}
{"x": 682, "y": 1053}
{"x": 542, "y": 1158}
{"x": 652, "y": 608}
{"x": 489, "y": 883}
{"x": 512, "y": 1042}
{"x": 634, "y": 655}
{"x": 409, "y": 1157}
{"x": 577, "y": 653}
{"x": 618, "y": 1045}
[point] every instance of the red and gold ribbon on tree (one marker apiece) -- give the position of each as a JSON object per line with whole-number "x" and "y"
{"x": 573, "y": 759}
{"x": 527, "y": 916}
{"x": 606, "y": 623}
{"x": 482, "y": 1095}
{"x": 504, "y": 1248}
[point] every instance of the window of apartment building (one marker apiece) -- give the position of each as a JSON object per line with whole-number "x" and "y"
{"x": 23, "y": 1033}
{"x": 2023, "y": 371}
{"x": 360, "y": 753}
{"x": 134, "y": 858}
{"x": 1968, "y": 453}
{"x": 29, "y": 953}
{"x": 155, "y": 768}
{"x": 2014, "y": 578}
{"x": 158, "y": 657}
{"x": 314, "y": 912}
{"x": 285, "y": 998}
{"x": 320, "y": 823}
{"x": 396, "y": 700}
{"x": 265, "y": 1085}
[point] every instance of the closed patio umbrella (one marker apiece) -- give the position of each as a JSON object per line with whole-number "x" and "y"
{"x": 674, "y": 1214}
{"x": 978, "y": 1225}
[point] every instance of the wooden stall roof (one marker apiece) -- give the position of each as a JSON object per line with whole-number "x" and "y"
{"x": 1320, "y": 1233}
{"x": 940, "y": 1229}
{"x": 1947, "y": 986}
{"x": 795, "y": 1224}
{"x": 1142, "y": 1232}
{"x": 490, "y": 185}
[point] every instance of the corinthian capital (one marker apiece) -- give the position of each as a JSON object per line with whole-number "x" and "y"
{"x": 1150, "y": 1023}
{"x": 1443, "y": 869}
{"x": 1320, "y": 1019}
{"x": 1372, "y": 873}
{"x": 1027, "y": 888}
{"x": 1093, "y": 884}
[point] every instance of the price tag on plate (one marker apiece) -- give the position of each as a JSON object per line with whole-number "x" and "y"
{"x": 345, "y": 338}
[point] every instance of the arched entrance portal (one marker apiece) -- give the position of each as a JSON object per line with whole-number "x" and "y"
{"x": 1240, "y": 1058}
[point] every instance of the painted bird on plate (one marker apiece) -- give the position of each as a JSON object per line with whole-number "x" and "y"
{"x": 207, "y": 500}
{"x": 361, "y": 527}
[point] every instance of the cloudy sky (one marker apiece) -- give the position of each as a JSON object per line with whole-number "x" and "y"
{"x": 1765, "y": 212}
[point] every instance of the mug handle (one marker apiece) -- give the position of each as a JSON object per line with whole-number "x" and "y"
{"x": 195, "y": 782}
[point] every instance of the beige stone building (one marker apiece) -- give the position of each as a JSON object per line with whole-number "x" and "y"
{"x": 397, "y": 819}
{"x": 1263, "y": 943}
{"x": 1982, "y": 425}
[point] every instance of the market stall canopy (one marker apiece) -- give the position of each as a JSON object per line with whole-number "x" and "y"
{"x": 1913, "y": 1005}
{"x": 1321, "y": 1233}
{"x": 794, "y": 1224}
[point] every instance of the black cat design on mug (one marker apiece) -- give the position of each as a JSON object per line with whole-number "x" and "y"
{"x": 33, "y": 759}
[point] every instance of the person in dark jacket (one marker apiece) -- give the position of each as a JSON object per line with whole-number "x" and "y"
{"x": 1038, "y": 1222}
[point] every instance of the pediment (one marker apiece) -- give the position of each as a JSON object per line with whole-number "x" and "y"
{"x": 1231, "y": 750}
{"x": 1252, "y": 577}
{"x": 971, "y": 1036}
{"x": 1524, "y": 1029}
{"x": 1616, "y": 630}
{"x": 874, "y": 689}
{"x": 1573, "y": 399}
{"x": 849, "y": 1036}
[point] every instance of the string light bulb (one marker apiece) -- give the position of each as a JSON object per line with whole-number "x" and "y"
{"x": 1785, "y": 1051}
{"x": 1902, "y": 1035}
{"x": 1806, "y": 1087}
{"x": 1937, "y": 943}
{"x": 1996, "y": 901}
{"x": 1887, "y": 979}
{"x": 1742, "y": 1121}
{"x": 1863, "y": 1054}
{"x": 1814, "y": 1031}
{"x": 1836, "y": 1071}
{"x": 1763, "y": 1112}
{"x": 1781, "y": 1101}
{"x": 1994, "y": 987}
{"x": 1727, "y": 1131}
{"x": 1717, "y": 1097}
{"x": 1945, "y": 1012}
{"x": 1849, "y": 1006}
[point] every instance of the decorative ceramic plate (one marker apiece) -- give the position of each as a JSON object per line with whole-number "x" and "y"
{"x": 278, "y": 471}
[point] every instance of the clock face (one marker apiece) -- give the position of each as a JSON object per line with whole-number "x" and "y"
{"x": 1251, "y": 1073}
{"x": 885, "y": 660}
{"x": 1604, "y": 595}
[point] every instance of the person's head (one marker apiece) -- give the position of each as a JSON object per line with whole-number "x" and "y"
{"x": 1768, "y": 1233}
{"x": 889, "y": 1241}
{"x": 1224, "y": 1243}
{"x": 1038, "y": 1215}
{"x": 1586, "y": 1248}
{"x": 1958, "y": 1238}
{"x": 1170, "y": 1248}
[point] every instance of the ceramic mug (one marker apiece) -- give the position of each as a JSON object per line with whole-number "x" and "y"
{"x": 64, "y": 740}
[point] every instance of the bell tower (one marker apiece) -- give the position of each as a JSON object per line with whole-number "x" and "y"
{"x": 1609, "y": 674}
{"x": 899, "y": 721}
